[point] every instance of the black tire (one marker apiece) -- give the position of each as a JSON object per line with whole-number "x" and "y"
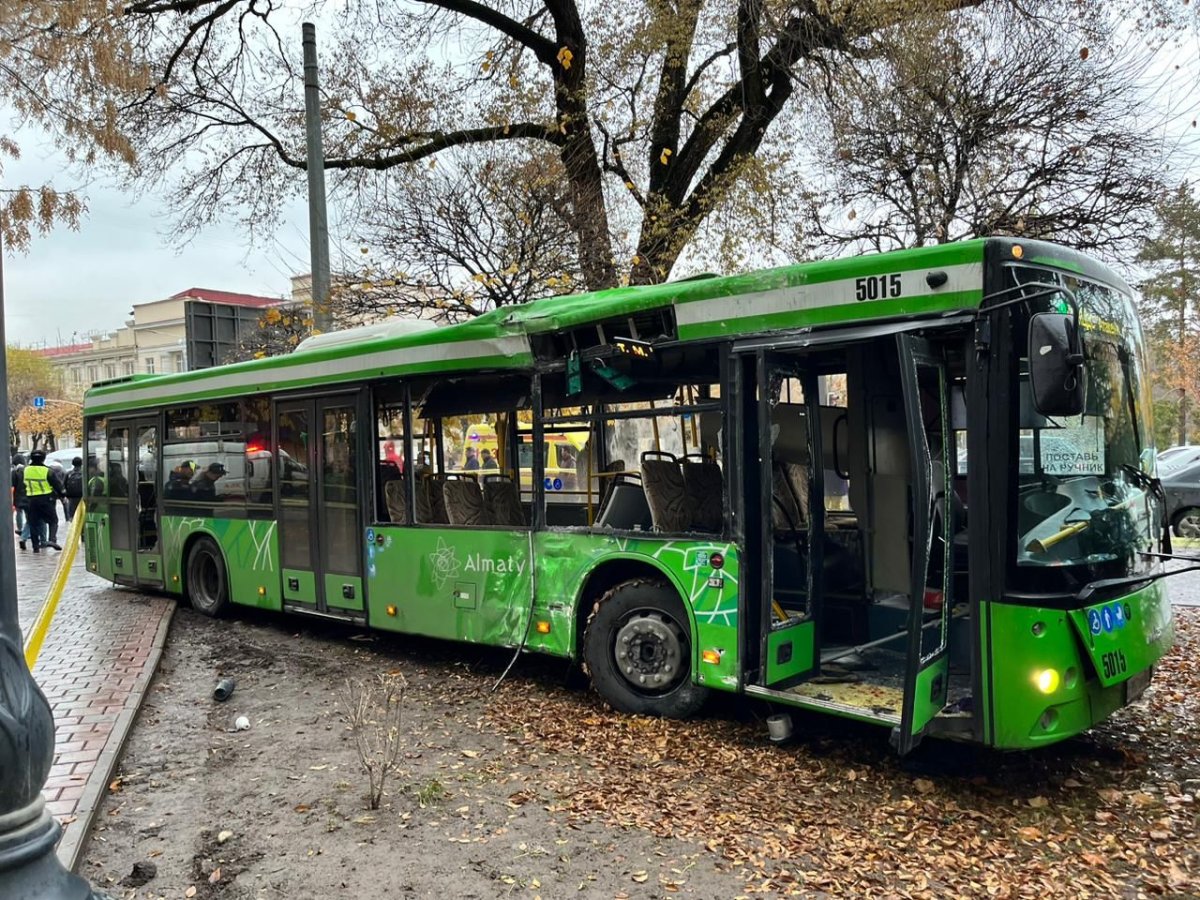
{"x": 646, "y": 620}
{"x": 207, "y": 583}
{"x": 1187, "y": 523}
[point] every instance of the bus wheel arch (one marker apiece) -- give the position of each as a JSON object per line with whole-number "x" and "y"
{"x": 205, "y": 575}
{"x": 1187, "y": 522}
{"x": 637, "y": 649}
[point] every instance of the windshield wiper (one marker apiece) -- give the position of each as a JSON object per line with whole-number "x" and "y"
{"x": 1089, "y": 589}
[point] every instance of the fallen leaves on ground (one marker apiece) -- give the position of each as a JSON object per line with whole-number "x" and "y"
{"x": 1112, "y": 813}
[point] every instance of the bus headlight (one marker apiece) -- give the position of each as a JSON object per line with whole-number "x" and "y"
{"x": 1047, "y": 680}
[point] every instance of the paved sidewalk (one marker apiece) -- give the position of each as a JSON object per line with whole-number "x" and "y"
{"x": 94, "y": 668}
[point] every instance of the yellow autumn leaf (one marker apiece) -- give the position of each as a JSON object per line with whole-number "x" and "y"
{"x": 350, "y": 115}
{"x": 665, "y": 156}
{"x": 564, "y": 57}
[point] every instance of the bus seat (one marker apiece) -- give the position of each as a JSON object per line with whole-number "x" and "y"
{"x": 705, "y": 488}
{"x": 605, "y": 484}
{"x": 431, "y": 505}
{"x": 395, "y": 496}
{"x": 502, "y": 501}
{"x": 665, "y": 491}
{"x": 626, "y": 505}
{"x": 463, "y": 501}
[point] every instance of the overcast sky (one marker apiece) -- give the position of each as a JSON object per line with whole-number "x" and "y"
{"x": 76, "y": 281}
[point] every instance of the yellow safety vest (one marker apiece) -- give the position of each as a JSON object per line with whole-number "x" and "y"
{"x": 37, "y": 481}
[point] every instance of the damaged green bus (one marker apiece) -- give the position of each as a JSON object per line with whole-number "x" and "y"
{"x": 915, "y": 489}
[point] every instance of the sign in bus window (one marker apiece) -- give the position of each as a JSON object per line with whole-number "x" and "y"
{"x": 1076, "y": 447}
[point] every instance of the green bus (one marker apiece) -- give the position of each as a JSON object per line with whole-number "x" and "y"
{"x": 915, "y": 489}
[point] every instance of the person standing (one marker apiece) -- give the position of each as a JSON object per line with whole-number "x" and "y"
{"x": 20, "y": 502}
{"x": 73, "y": 486}
{"x": 42, "y": 491}
{"x": 56, "y": 486}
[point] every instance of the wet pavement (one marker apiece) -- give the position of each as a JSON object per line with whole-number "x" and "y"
{"x": 95, "y": 666}
{"x": 1184, "y": 590}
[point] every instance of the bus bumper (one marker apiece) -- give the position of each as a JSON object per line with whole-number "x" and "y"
{"x": 1054, "y": 675}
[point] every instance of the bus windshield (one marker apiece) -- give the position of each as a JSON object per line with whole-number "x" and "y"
{"x": 1084, "y": 500}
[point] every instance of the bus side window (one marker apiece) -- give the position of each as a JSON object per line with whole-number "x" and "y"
{"x": 390, "y": 499}
{"x": 260, "y": 456}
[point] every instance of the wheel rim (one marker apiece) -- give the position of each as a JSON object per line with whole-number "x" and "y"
{"x": 206, "y": 577}
{"x": 650, "y": 651}
{"x": 1189, "y": 525}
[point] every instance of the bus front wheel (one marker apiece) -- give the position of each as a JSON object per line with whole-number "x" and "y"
{"x": 207, "y": 585}
{"x": 637, "y": 651}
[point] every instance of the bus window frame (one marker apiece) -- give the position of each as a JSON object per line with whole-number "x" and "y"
{"x": 508, "y": 435}
{"x": 600, "y": 415}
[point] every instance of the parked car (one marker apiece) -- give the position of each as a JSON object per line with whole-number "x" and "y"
{"x": 64, "y": 457}
{"x": 1182, "y": 487}
{"x": 1177, "y": 459}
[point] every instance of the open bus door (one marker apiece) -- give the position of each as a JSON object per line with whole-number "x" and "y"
{"x": 923, "y": 377}
{"x": 789, "y": 438}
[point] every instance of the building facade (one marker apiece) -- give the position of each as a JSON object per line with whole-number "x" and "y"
{"x": 189, "y": 330}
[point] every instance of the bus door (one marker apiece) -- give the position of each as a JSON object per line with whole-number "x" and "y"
{"x": 924, "y": 383}
{"x": 143, "y": 502}
{"x": 121, "y": 515}
{"x": 318, "y": 512}
{"x": 792, "y": 498}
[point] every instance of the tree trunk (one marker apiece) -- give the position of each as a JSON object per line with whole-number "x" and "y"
{"x": 590, "y": 212}
{"x": 1183, "y": 414}
{"x": 579, "y": 156}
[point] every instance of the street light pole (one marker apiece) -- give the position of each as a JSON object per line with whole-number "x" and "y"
{"x": 318, "y": 228}
{"x": 29, "y": 867}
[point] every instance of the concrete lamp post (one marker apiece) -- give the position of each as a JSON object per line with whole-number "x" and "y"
{"x": 29, "y": 867}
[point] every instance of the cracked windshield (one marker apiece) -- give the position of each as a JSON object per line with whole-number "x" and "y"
{"x": 1084, "y": 480}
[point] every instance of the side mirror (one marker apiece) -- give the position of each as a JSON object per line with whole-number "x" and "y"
{"x": 1055, "y": 365}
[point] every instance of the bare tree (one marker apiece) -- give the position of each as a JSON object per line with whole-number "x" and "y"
{"x": 654, "y": 111}
{"x": 374, "y": 711}
{"x": 989, "y": 124}
{"x": 486, "y": 230}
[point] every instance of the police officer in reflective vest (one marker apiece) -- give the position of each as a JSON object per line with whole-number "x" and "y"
{"x": 43, "y": 492}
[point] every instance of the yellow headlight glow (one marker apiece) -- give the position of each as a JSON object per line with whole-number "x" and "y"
{"x": 1047, "y": 681}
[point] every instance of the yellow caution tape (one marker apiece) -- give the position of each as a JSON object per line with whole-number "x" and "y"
{"x": 37, "y": 635}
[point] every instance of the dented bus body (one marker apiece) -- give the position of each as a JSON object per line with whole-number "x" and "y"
{"x": 827, "y": 486}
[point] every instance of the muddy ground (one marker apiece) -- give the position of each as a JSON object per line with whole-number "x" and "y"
{"x": 538, "y": 790}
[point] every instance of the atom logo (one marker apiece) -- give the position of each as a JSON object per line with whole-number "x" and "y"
{"x": 445, "y": 563}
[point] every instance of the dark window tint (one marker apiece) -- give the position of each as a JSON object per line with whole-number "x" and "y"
{"x": 260, "y": 457}
{"x": 204, "y": 420}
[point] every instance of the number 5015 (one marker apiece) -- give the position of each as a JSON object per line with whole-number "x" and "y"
{"x": 877, "y": 287}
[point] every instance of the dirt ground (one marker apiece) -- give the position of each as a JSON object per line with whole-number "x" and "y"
{"x": 538, "y": 790}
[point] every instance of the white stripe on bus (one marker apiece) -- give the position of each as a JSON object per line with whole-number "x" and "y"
{"x": 964, "y": 277}
{"x": 344, "y": 365}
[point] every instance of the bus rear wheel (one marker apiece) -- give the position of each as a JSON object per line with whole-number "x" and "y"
{"x": 638, "y": 653}
{"x": 207, "y": 584}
